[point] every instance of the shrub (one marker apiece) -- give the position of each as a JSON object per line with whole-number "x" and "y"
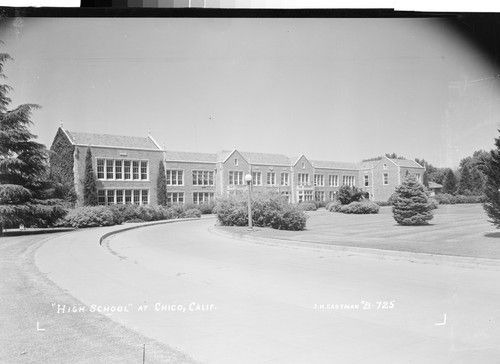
{"x": 447, "y": 199}
{"x": 364, "y": 207}
{"x": 268, "y": 210}
{"x": 88, "y": 216}
{"x": 320, "y": 204}
{"x": 191, "y": 213}
{"x": 411, "y": 204}
{"x": 307, "y": 206}
{"x": 334, "y": 206}
{"x": 349, "y": 194}
{"x": 124, "y": 213}
{"x": 204, "y": 208}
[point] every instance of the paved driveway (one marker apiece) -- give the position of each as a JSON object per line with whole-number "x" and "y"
{"x": 223, "y": 300}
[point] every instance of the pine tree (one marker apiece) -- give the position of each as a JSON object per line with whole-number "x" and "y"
{"x": 465, "y": 186}
{"x": 161, "y": 185}
{"x": 25, "y": 196}
{"x": 450, "y": 182}
{"x": 491, "y": 169}
{"x": 410, "y": 203}
{"x": 89, "y": 184}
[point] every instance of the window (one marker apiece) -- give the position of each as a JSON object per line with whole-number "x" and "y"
{"x": 137, "y": 197}
{"x": 128, "y": 197}
{"x": 319, "y": 180}
{"x": 203, "y": 178}
{"x": 303, "y": 179}
{"x": 126, "y": 169}
{"x": 135, "y": 169}
{"x": 285, "y": 179}
{"x": 304, "y": 196}
{"x": 235, "y": 177}
{"x": 235, "y": 161}
{"x": 303, "y": 164}
{"x": 111, "y": 197}
{"x": 386, "y": 179}
{"x": 100, "y": 169}
{"x": 119, "y": 197}
{"x": 418, "y": 177}
{"x": 101, "y": 196}
{"x": 333, "y": 180}
{"x": 144, "y": 170}
{"x": 175, "y": 177}
{"x": 202, "y": 197}
{"x": 109, "y": 169}
{"x": 271, "y": 179}
{"x": 257, "y": 178}
{"x": 333, "y": 195}
{"x": 348, "y": 180}
{"x": 319, "y": 196}
{"x": 367, "y": 181}
{"x": 385, "y": 166}
{"x": 118, "y": 169}
{"x": 175, "y": 198}
{"x": 145, "y": 197}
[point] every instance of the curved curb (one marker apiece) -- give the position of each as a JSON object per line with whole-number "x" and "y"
{"x": 153, "y": 223}
{"x": 423, "y": 258}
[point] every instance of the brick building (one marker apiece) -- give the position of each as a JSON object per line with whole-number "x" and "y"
{"x": 127, "y": 170}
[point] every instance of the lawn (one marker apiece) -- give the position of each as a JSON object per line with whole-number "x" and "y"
{"x": 459, "y": 230}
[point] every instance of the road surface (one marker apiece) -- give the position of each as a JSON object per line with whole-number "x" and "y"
{"x": 222, "y": 300}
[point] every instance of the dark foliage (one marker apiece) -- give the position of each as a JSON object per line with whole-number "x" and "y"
{"x": 410, "y": 203}
{"x": 161, "y": 185}
{"x": 89, "y": 183}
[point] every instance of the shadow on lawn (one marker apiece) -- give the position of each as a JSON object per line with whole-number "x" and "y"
{"x": 492, "y": 235}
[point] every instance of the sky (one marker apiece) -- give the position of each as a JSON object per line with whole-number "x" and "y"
{"x": 337, "y": 89}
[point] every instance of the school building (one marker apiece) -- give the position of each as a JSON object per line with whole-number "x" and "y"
{"x": 127, "y": 168}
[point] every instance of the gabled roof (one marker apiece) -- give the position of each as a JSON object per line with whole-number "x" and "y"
{"x": 223, "y": 155}
{"x": 405, "y": 163}
{"x": 295, "y": 160}
{"x": 335, "y": 165}
{"x": 191, "y": 157}
{"x": 369, "y": 164}
{"x": 266, "y": 158}
{"x": 107, "y": 140}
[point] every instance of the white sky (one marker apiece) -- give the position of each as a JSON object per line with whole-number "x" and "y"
{"x": 334, "y": 89}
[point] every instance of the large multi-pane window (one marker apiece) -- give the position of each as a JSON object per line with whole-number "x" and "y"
{"x": 271, "y": 179}
{"x": 303, "y": 179}
{"x": 285, "y": 179}
{"x": 333, "y": 180}
{"x": 100, "y": 169}
{"x": 110, "y": 169}
{"x": 135, "y": 169}
{"x": 202, "y": 197}
{"x": 319, "y": 195}
{"x": 319, "y": 180}
{"x": 304, "y": 196}
{"x": 348, "y": 181}
{"x": 257, "y": 178}
{"x": 122, "y": 196}
{"x": 119, "y": 169}
{"x": 235, "y": 177}
{"x": 333, "y": 195}
{"x": 175, "y": 177}
{"x": 203, "y": 178}
{"x": 175, "y": 198}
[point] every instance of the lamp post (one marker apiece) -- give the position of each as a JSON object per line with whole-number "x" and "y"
{"x": 248, "y": 180}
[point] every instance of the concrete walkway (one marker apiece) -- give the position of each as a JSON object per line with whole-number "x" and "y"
{"x": 222, "y": 300}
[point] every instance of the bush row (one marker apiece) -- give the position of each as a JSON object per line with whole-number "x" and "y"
{"x": 93, "y": 216}
{"x": 268, "y": 210}
{"x": 363, "y": 207}
{"x": 447, "y": 199}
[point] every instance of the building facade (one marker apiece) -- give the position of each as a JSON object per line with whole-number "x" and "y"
{"x": 126, "y": 171}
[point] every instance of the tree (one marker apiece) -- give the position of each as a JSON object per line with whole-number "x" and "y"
{"x": 491, "y": 169}
{"x": 349, "y": 194}
{"x": 161, "y": 185}
{"x": 465, "y": 186}
{"x": 89, "y": 184}
{"x": 25, "y": 194}
{"x": 410, "y": 203}
{"x": 450, "y": 182}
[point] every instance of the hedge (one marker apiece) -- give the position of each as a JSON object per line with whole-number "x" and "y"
{"x": 448, "y": 199}
{"x": 363, "y": 207}
{"x": 268, "y": 210}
